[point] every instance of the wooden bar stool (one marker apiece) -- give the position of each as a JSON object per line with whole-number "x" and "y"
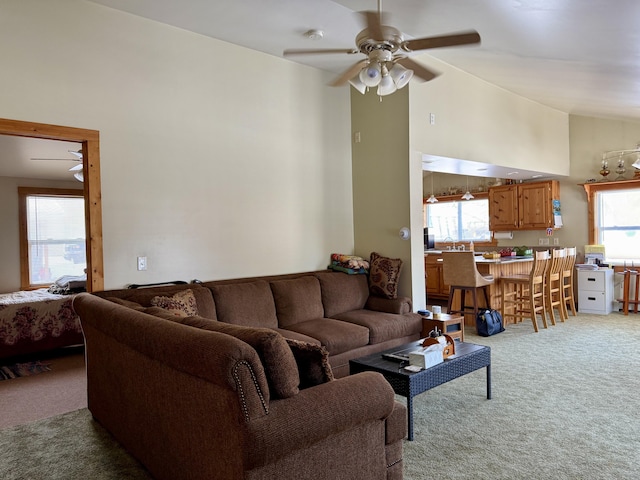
{"x": 523, "y": 295}
{"x": 626, "y": 291}
{"x": 460, "y": 273}
{"x": 553, "y": 285}
{"x": 568, "y": 274}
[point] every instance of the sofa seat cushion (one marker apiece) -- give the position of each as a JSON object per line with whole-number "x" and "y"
{"x": 249, "y": 304}
{"x": 277, "y": 358}
{"x": 291, "y": 335}
{"x": 383, "y": 326}
{"x": 342, "y": 293}
{"x": 335, "y": 335}
{"x": 297, "y": 300}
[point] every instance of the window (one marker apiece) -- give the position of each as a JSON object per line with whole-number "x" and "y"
{"x": 52, "y": 235}
{"x": 459, "y": 221}
{"x": 618, "y": 224}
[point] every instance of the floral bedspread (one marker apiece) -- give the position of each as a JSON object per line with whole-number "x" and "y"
{"x": 35, "y": 315}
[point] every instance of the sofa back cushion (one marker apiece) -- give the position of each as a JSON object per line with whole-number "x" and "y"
{"x": 342, "y": 293}
{"x": 249, "y": 304}
{"x": 297, "y": 300}
{"x": 143, "y": 296}
{"x": 277, "y": 358}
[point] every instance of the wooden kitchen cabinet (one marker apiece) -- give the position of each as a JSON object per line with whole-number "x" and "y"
{"x": 436, "y": 288}
{"x": 523, "y": 206}
{"x": 503, "y": 208}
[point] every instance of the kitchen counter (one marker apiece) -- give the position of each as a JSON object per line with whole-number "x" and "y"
{"x": 498, "y": 268}
{"x": 481, "y": 259}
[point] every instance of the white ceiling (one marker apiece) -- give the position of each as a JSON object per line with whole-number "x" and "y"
{"x": 578, "y": 56}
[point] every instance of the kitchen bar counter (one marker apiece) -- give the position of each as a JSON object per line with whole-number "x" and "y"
{"x": 502, "y": 260}
{"x": 499, "y": 267}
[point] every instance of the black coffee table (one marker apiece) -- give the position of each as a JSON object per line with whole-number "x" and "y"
{"x": 468, "y": 358}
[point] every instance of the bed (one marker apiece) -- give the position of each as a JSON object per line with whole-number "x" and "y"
{"x": 35, "y": 321}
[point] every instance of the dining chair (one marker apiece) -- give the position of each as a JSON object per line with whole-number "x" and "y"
{"x": 568, "y": 274}
{"x": 459, "y": 271}
{"x": 523, "y": 296}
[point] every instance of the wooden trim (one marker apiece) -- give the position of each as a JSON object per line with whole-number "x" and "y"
{"x": 90, "y": 140}
{"x": 592, "y": 189}
{"x": 23, "y": 193}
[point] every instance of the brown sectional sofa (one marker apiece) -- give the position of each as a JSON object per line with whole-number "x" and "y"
{"x": 323, "y": 307}
{"x": 243, "y": 390}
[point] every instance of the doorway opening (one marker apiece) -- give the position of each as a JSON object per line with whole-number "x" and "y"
{"x": 90, "y": 141}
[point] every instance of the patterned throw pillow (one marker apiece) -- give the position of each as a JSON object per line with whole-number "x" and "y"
{"x": 313, "y": 363}
{"x": 384, "y": 274}
{"x": 182, "y": 304}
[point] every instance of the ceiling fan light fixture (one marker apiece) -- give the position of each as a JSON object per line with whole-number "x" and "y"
{"x": 358, "y": 85}
{"x": 371, "y": 75}
{"x": 401, "y": 76}
{"x": 386, "y": 85}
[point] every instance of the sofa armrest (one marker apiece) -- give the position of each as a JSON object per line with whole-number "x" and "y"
{"x": 215, "y": 358}
{"x": 400, "y": 305}
{"x": 316, "y": 413}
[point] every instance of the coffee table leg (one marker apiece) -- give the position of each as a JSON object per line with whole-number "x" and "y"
{"x": 410, "y": 418}
{"x": 488, "y": 382}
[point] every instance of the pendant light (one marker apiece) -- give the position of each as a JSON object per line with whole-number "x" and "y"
{"x": 432, "y": 198}
{"x": 467, "y": 195}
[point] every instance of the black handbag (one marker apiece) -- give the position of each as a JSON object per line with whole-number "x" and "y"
{"x": 489, "y": 322}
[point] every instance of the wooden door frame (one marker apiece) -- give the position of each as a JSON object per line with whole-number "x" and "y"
{"x": 90, "y": 140}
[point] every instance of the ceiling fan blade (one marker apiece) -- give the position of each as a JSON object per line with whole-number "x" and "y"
{"x": 56, "y": 159}
{"x": 419, "y": 70}
{"x": 452, "y": 40}
{"x": 303, "y": 51}
{"x": 374, "y": 25}
{"x": 349, "y": 73}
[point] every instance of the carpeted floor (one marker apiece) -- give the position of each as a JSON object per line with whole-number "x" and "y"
{"x": 565, "y": 406}
{"x": 63, "y": 389}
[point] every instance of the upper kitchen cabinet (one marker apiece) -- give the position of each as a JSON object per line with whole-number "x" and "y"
{"x": 523, "y": 206}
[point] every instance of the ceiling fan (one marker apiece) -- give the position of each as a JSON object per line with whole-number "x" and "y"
{"x": 387, "y": 65}
{"x": 76, "y": 169}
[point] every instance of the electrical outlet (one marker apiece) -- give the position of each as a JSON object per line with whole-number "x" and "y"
{"x": 432, "y": 118}
{"x": 546, "y": 241}
{"x": 556, "y": 241}
{"x": 142, "y": 263}
{"x": 541, "y": 241}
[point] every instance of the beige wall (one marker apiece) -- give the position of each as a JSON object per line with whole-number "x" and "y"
{"x": 480, "y": 122}
{"x": 381, "y": 178}
{"x": 217, "y": 161}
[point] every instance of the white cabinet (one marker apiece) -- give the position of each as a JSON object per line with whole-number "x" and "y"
{"x": 595, "y": 291}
